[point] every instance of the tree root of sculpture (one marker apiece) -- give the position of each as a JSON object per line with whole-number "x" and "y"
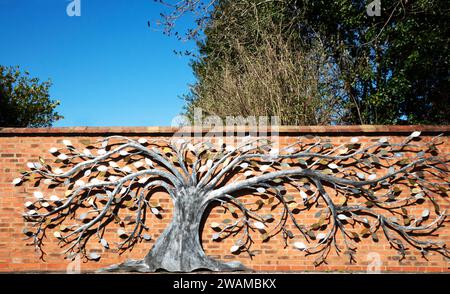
{"x": 206, "y": 264}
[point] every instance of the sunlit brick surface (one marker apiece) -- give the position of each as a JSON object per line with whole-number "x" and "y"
{"x": 17, "y": 147}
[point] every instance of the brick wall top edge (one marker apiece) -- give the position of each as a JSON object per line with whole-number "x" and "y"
{"x": 155, "y": 130}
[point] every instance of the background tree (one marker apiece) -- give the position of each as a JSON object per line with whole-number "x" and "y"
{"x": 250, "y": 65}
{"x": 391, "y": 69}
{"x": 358, "y": 185}
{"x": 274, "y": 80}
{"x": 25, "y": 101}
{"x": 395, "y": 67}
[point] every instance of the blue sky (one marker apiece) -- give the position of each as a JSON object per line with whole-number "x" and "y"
{"x": 108, "y": 68}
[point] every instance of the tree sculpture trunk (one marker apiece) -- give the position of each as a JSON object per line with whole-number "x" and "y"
{"x": 179, "y": 248}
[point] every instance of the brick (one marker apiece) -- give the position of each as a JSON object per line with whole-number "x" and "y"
{"x": 18, "y": 146}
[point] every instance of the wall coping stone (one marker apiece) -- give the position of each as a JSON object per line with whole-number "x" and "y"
{"x": 283, "y": 130}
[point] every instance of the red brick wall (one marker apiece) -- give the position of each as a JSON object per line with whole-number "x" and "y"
{"x": 19, "y": 146}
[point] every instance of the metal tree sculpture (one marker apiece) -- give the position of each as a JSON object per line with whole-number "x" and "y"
{"x": 358, "y": 183}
